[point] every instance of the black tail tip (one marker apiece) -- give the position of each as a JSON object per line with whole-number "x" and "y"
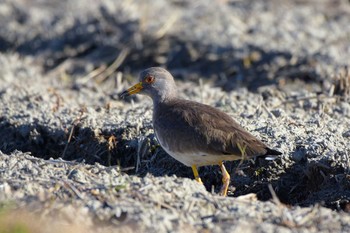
{"x": 272, "y": 152}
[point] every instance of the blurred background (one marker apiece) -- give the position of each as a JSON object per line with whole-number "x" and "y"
{"x": 291, "y": 44}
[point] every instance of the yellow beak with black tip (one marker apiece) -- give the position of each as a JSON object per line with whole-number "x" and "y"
{"x": 132, "y": 90}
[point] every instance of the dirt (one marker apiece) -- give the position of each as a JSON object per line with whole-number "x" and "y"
{"x": 74, "y": 154}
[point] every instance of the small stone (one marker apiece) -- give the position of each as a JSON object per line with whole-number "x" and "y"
{"x": 346, "y": 134}
{"x": 277, "y": 112}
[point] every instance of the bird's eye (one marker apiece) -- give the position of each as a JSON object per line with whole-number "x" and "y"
{"x": 149, "y": 79}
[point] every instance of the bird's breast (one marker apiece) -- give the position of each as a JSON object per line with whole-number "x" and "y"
{"x": 181, "y": 150}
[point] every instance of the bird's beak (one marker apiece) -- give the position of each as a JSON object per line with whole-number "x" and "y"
{"x": 132, "y": 90}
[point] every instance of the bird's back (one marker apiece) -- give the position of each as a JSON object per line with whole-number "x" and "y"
{"x": 187, "y": 127}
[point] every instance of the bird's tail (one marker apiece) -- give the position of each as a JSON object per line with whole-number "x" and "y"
{"x": 271, "y": 154}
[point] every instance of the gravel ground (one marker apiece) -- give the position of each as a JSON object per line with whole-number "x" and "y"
{"x": 102, "y": 197}
{"x": 75, "y": 158}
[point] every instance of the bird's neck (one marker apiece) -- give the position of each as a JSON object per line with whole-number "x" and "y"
{"x": 164, "y": 104}
{"x": 164, "y": 99}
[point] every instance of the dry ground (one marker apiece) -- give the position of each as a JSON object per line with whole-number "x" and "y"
{"x": 76, "y": 158}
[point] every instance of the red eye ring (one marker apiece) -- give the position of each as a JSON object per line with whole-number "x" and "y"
{"x": 149, "y": 79}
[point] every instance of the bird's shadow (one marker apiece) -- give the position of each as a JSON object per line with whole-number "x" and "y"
{"x": 301, "y": 183}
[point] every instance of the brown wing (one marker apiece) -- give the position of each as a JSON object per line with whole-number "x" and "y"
{"x": 206, "y": 129}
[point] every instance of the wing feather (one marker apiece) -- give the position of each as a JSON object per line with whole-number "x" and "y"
{"x": 204, "y": 129}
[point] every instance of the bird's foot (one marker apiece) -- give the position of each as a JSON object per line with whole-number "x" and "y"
{"x": 196, "y": 175}
{"x": 225, "y": 180}
{"x": 224, "y": 188}
{"x": 198, "y": 179}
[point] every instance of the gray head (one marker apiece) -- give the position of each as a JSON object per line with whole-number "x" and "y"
{"x": 156, "y": 83}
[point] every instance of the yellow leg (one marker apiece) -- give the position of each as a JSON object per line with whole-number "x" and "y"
{"x": 196, "y": 175}
{"x": 225, "y": 179}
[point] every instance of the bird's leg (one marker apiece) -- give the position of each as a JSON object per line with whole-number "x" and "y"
{"x": 196, "y": 175}
{"x": 225, "y": 179}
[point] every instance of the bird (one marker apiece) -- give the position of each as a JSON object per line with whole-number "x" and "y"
{"x": 193, "y": 133}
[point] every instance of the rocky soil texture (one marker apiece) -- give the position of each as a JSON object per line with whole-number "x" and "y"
{"x": 76, "y": 158}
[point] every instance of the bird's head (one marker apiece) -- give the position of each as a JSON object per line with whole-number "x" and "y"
{"x": 155, "y": 82}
